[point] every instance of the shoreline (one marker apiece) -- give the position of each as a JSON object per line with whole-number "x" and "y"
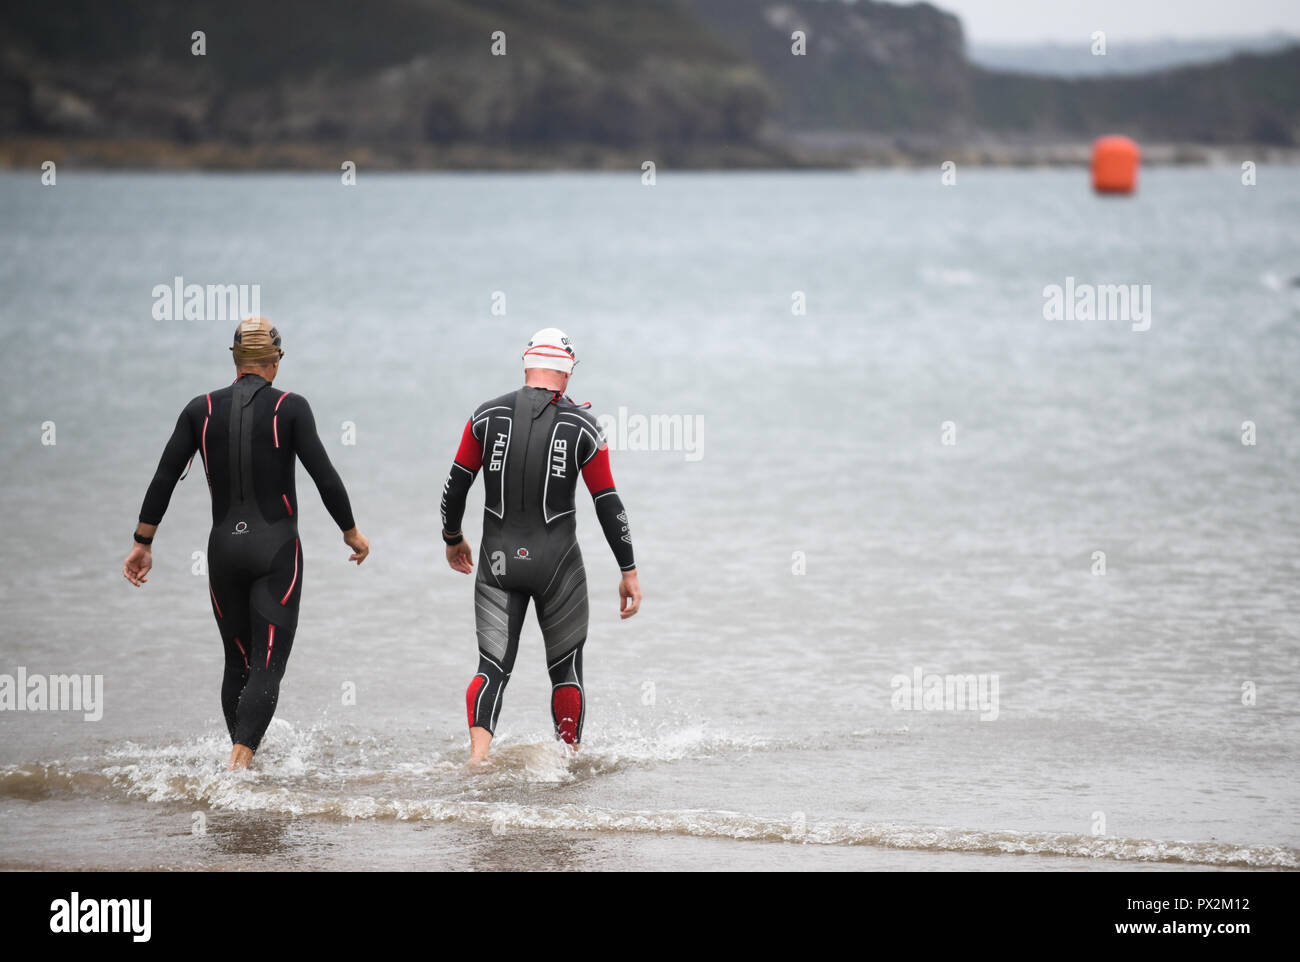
{"x": 791, "y": 151}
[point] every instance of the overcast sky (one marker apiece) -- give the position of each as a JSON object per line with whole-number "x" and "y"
{"x": 1000, "y": 21}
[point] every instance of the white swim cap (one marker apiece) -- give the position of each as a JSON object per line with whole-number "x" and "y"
{"x": 550, "y": 348}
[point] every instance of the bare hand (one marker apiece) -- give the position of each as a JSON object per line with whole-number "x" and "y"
{"x": 137, "y": 564}
{"x": 629, "y": 593}
{"x": 460, "y": 557}
{"x": 359, "y": 544}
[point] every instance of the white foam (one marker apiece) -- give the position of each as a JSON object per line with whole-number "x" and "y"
{"x": 318, "y": 772}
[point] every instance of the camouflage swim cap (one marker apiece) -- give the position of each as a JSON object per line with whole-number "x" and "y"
{"x": 256, "y": 339}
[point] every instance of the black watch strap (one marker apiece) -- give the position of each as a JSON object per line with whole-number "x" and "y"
{"x": 453, "y": 539}
{"x": 141, "y": 539}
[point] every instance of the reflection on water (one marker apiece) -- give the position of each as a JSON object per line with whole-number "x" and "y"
{"x": 253, "y": 833}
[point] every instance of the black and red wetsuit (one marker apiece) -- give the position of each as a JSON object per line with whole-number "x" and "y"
{"x": 532, "y": 444}
{"x": 248, "y": 435}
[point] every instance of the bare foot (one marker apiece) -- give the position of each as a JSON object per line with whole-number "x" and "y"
{"x": 241, "y": 756}
{"x": 480, "y": 740}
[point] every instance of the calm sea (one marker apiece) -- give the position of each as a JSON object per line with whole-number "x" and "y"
{"x": 898, "y": 470}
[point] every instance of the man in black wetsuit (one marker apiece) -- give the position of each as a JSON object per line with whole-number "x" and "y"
{"x": 248, "y": 434}
{"x": 535, "y": 441}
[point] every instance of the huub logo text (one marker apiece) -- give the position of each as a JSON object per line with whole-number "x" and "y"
{"x": 559, "y": 457}
{"x": 212, "y": 302}
{"x": 74, "y": 915}
{"x": 498, "y": 453}
{"x": 24, "y": 692}
{"x": 922, "y": 692}
{"x": 655, "y": 432}
{"x": 1098, "y": 302}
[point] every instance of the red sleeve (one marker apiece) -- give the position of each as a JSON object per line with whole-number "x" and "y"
{"x": 470, "y": 453}
{"x": 596, "y": 472}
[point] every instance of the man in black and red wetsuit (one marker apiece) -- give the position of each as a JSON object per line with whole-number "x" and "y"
{"x": 248, "y": 435}
{"x": 532, "y": 444}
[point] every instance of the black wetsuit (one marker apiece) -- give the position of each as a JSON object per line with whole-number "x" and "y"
{"x": 532, "y": 444}
{"x": 248, "y": 434}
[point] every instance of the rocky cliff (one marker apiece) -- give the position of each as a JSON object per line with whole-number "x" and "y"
{"x": 585, "y": 80}
{"x": 382, "y": 71}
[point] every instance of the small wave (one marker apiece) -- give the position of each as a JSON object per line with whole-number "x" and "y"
{"x": 341, "y": 775}
{"x": 252, "y": 793}
{"x": 309, "y": 757}
{"x": 738, "y": 825}
{"x": 34, "y": 783}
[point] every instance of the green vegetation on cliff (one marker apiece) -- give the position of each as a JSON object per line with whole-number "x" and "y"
{"x": 700, "y": 76}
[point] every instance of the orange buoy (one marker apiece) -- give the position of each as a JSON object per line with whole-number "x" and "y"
{"x": 1115, "y": 165}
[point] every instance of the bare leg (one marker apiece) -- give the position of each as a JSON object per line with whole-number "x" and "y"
{"x": 480, "y": 740}
{"x": 241, "y": 756}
